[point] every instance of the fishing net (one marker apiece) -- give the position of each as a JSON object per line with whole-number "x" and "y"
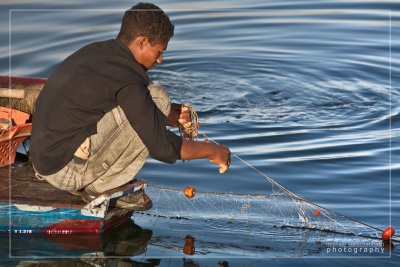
{"x": 276, "y": 224}
{"x": 281, "y": 208}
{"x": 251, "y": 219}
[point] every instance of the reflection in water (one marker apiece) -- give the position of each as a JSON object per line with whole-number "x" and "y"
{"x": 124, "y": 241}
{"x": 223, "y": 264}
{"x": 115, "y": 247}
{"x": 388, "y": 245}
{"x": 84, "y": 263}
{"x": 189, "y": 248}
{"x": 190, "y": 263}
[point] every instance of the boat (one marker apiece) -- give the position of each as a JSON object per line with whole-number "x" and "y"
{"x": 29, "y": 205}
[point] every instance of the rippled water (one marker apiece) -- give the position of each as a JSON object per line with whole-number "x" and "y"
{"x": 305, "y": 91}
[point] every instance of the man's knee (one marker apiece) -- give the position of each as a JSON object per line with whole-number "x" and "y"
{"x": 160, "y": 97}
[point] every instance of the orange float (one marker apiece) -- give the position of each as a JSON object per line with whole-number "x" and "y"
{"x": 317, "y": 212}
{"x": 189, "y": 191}
{"x": 388, "y": 233}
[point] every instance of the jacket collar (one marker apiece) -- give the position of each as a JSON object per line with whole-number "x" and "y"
{"x": 139, "y": 68}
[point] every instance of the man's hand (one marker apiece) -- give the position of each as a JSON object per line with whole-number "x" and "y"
{"x": 215, "y": 153}
{"x": 178, "y": 114}
{"x": 221, "y": 157}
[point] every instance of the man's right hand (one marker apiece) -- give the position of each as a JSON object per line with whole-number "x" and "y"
{"x": 221, "y": 157}
{"x": 215, "y": 153}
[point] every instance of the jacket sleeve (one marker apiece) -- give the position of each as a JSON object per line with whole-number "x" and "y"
{"x": 149, "y": 122}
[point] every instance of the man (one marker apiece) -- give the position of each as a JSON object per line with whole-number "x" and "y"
{"x": 98, "y": 117}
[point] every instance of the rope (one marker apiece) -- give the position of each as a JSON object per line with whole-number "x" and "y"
{"x": 190, "y": 130}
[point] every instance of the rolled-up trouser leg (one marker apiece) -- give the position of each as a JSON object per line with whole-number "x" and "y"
{"x": 116, "y": 152}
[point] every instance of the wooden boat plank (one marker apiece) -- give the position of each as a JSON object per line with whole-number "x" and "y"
{"x": 27, "y": 189}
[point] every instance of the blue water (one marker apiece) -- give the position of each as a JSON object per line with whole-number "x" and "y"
{"x": 305, "y": 91}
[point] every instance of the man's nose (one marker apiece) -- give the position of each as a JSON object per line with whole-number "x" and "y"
{"x": 160, "y": 59}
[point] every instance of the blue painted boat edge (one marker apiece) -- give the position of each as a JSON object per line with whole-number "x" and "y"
{"x": 22, "y": 221}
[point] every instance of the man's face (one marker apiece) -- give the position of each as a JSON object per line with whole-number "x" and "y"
{"x": 150, "y": 55}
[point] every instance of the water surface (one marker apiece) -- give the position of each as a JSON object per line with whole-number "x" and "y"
{"x": 305, "y": 91}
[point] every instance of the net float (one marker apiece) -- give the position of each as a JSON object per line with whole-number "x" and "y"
{"x": 189, "y": 191}
{"x": 388, "y": 233}
{"x": 317, "y": 212}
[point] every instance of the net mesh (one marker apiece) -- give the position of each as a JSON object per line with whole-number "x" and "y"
{"x": 281, "y": 208}
{"x": 251, "y": 219}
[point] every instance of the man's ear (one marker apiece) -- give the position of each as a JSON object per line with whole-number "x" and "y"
{"x": 142, "y": 41}
{"x": 137, "y": 45}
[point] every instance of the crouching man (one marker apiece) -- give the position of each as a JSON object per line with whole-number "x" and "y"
{"x": 98, "y": 117}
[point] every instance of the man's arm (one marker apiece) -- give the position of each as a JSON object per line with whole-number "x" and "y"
{"x": 217, "y": 154}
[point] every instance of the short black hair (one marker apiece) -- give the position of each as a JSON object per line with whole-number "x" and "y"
{"x": 145, "y": 19}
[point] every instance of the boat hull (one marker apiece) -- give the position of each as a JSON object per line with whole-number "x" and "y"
{"x": 29, "y": 205}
